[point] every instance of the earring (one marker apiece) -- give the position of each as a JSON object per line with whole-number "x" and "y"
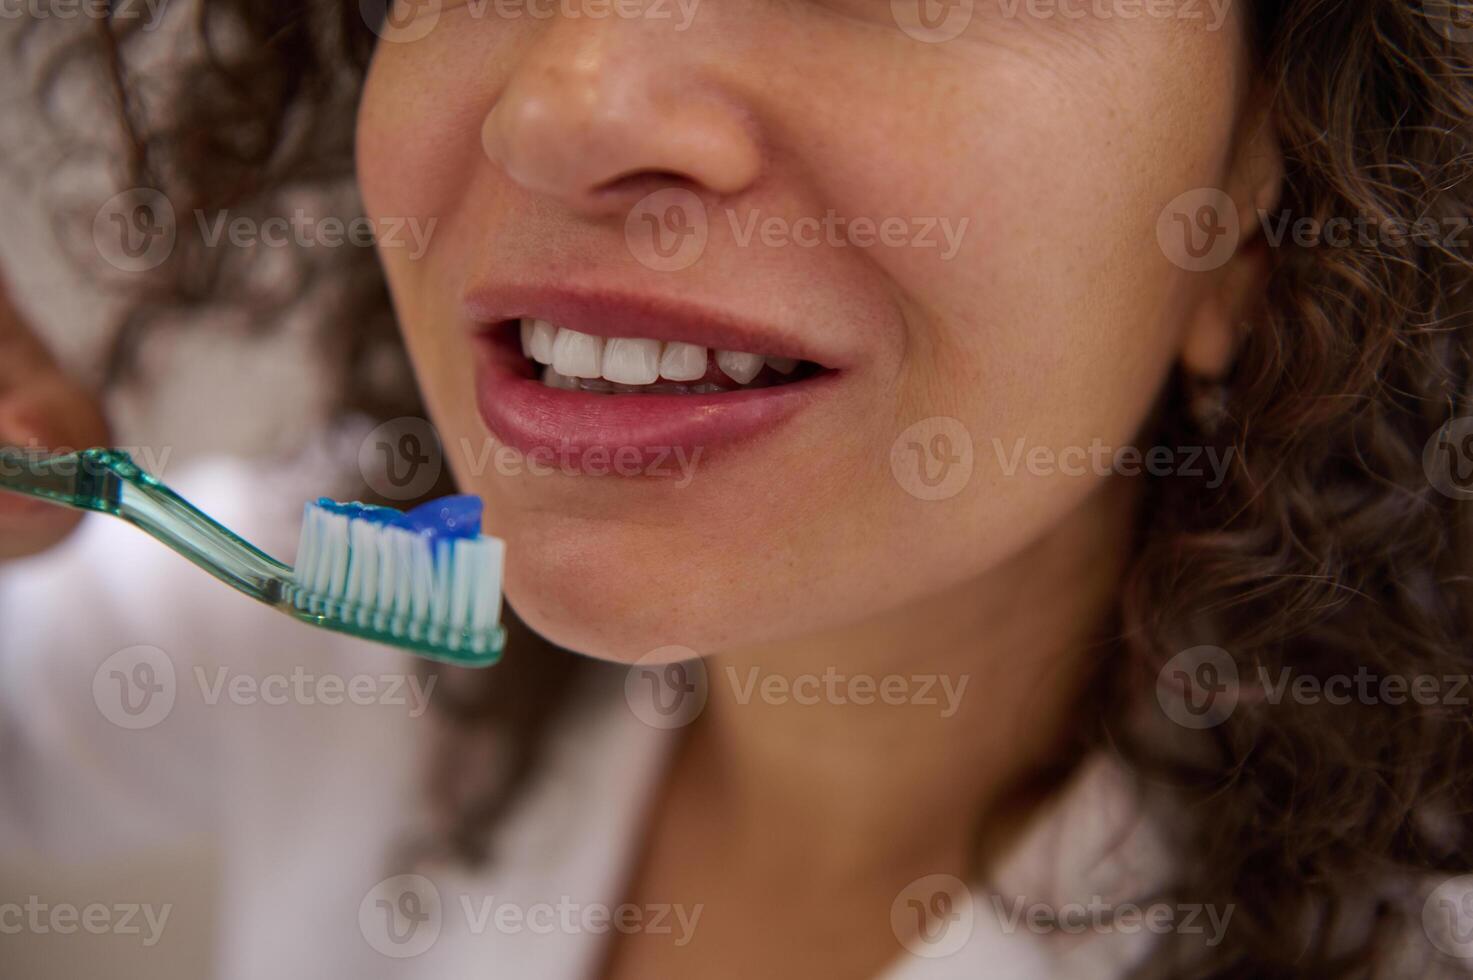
{"x": 1208, "y": 398}
{"x": 1207, "y": 403}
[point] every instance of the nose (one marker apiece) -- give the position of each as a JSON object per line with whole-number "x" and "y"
{"x": 596, "y": 115}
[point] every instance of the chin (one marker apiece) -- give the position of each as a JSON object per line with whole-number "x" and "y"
{"x": 620, "y": 594}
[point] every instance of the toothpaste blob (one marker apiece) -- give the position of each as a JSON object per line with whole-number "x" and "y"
{"x": 425, "y": 574}
{"x": 448, "y": 518}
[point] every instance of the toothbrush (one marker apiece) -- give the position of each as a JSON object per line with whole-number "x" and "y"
{"x": 426, "y": 581}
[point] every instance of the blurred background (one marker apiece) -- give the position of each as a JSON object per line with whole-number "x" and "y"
{"x": 59, "y": 164}
{"x": 54, "y": 167}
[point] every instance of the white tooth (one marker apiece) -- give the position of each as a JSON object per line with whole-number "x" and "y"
{"x": 738, "y": 366}
{"x": 578, "y": 355}
{"x": 526, "y": 330}
{"x": 543, "y": 334}
{"x": 629, "y": 361}
{"x": 683, "y": 362}
{"x": 783, "y": 365}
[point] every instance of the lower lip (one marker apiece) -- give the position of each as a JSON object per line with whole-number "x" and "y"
{"x": 529, "y": 416}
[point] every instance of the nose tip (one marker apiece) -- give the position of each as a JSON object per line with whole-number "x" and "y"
{"x": 597, "y": 128}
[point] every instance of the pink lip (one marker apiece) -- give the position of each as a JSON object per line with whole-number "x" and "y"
{"x": 562, "y": 427}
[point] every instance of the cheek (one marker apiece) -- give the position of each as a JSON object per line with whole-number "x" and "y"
{"x": 418, "y": 135}
{"x": 1051, "y": 319}
{"x": 418, "y": 151}
{"x": 1041, "y": 303}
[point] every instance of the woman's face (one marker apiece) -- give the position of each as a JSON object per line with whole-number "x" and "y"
{"x": 958, "y": 234}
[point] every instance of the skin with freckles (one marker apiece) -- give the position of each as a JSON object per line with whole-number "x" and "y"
{"x": 1058, "y": 142}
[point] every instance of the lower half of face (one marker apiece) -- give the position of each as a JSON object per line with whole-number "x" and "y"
{"x": 786, "y": 320}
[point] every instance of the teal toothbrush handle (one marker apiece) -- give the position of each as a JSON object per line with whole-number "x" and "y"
{"x": 109, "y": 482}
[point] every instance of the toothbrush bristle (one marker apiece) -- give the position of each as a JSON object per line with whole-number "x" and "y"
{"x": 395, "y": 582}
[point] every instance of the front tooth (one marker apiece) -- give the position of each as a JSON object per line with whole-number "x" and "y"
{"x": 738, "y": 366}
{"x": 629, "y": 361}
{"x": 683, "y": 362}
{"x": 543, "y": 335}
{"x": 783, "y": 365}
{"x": 578, "y": 355}
{"x": 526, "y": 329}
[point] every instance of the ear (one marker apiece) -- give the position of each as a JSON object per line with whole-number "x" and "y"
{"x": 1255, "y": 184}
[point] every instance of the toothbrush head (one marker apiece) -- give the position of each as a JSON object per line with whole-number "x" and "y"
{"x": 426, "y": 580}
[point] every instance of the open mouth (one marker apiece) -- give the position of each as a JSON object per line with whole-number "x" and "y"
{"x": 574, "y": 373}
{"x": 570, "y": 360}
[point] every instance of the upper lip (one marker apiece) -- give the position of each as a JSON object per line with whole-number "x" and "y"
{"x": 616, "y": 313}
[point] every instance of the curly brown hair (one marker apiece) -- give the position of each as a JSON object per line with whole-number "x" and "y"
{"x": 1328, "y": 550}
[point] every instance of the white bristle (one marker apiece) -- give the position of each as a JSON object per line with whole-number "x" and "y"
{"x": 388, "y": 580}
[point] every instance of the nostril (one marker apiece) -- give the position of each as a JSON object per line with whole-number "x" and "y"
{"x": 638, "y": 183}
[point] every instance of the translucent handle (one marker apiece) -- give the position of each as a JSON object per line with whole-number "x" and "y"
{"x": 109, "y": 482}
{"x": 80, "y": 480}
